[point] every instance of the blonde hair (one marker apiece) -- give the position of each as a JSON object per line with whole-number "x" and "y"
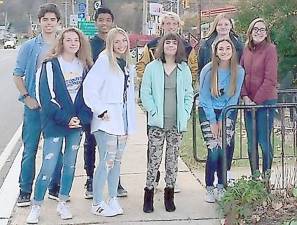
{"x": 109, "y": 47}
{"x": 213, "y": 27}
{"x": 83, "y": 53}
{"x": 214, "y": 70}
{"x": 249, "y": 42}
{"x": 170, "y": 15}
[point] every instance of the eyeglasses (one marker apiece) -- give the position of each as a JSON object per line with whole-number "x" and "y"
{"x": 257, "y": 30}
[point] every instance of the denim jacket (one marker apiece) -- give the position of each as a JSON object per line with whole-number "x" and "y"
{"x": 26, "y": 62}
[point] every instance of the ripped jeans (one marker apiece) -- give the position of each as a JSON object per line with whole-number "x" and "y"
{"x": 110, "y": 148}
{"x": 51, "y": 150}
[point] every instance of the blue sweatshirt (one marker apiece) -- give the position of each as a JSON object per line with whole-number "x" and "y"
{"x": 208, "y": 102}
{"x": 57, "y": 107}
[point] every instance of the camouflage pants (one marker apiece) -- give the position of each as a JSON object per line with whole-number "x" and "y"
{"x": 156, "y": 138}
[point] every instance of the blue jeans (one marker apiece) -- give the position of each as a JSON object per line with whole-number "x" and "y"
{"x": 31, "y": 135}
{"x": 110, "y": 148}
{"x": 214, "y": 162}
{"x": 51, "y": 151}
{"x": 264, "y": 124}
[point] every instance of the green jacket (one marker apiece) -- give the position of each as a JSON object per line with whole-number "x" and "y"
{"x": 152, "y": 94}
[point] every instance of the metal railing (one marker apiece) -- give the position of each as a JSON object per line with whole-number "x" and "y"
{"x": 287, "y": 99}
{"x": 253, "y": 108}
{"x": 285, "y": 95}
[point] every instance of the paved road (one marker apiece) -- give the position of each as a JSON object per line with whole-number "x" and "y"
{"x": 10, "y": 108}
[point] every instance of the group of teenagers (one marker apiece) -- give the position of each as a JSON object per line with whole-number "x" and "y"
{"x": 71, "y": 85}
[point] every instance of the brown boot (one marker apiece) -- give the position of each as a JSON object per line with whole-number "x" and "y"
{"x": 148, "y": 204}
{"x": 169, "y": 199}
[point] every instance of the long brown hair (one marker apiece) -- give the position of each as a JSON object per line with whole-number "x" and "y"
{"x": 249, "y": 42}
{"x": 214, "y": 70}
{"x": 180, "y": 55}
{"x": 83, "y": 53}
{"x": 213, "y": 28}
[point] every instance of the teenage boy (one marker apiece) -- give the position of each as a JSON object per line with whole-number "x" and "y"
{"x": 29, "y": 59}
{"x": 169, "y": 22}
{"x": 104, "y": 22}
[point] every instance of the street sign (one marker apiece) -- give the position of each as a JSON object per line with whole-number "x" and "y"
{"x": 82, "y": 7}
{"x": 73, "y": 20}
{"x": 88, "y": 28}
{"x": 34, "y": 26}
{"x": 97, "y": 4}
{"x": 155, "y": 9}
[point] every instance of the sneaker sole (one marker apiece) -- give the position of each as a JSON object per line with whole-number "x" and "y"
{"x": 67, "y": 218}
{"x": 53, "y": 197}
{"x": 56, "y": 198}
{"x": 88, "y": 196}
{"x": 97, "y": 214}
{"x": 30, "y": 222}
{"x": 23, "y": 204}
{"x": 120, "y": 213}
{"x": 122, "y": 194}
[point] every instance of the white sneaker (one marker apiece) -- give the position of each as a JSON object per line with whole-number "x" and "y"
{"x": 210, "y": 195}
{"x": 220, "y": 194}
{"x": 34, "y": 214}
{"x": 63, "y": 211}
{"x": 102, "y": 209}
{"x": 230, "y": 179}
{"x": 115, "y": 205}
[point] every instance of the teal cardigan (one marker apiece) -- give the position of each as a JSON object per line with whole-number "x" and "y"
{"x": 152, "y": 94}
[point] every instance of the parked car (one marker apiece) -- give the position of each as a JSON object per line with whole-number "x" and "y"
{"x": 9, "y": 44}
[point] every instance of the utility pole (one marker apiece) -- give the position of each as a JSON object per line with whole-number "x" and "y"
{"x": 87, "y": 9}
{"x": 66, "y": 13}
{"x": 72, "y": 7}
{"x": 199, "y": 20}
{"x": 177, "y": 7}
{"x": 144, "y": 17}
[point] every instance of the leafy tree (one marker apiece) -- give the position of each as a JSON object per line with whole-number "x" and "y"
{"x": 281, "y": 16}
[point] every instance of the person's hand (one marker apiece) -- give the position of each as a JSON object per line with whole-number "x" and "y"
{"x": 31, "y": 103}
{"x": 214, "y": 130}
{"x": 248, "y": 101}
{"x": 74, "y": 122}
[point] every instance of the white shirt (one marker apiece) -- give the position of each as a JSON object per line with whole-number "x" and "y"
{"x": 73, "y": 75}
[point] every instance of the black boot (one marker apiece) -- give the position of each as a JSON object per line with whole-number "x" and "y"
{"x": 148, "y": 204}
{"x": 169, "y": 199}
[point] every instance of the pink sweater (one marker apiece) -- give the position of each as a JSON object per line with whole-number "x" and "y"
{"x": 260, "y": 65}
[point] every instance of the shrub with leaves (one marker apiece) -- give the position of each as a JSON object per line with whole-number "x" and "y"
{"x": 240, "y": 200}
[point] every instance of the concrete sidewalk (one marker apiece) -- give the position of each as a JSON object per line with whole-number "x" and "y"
{"x": 190, "y": 205}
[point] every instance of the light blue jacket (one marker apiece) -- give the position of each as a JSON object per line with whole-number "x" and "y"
{"x": 211, "y": 103}
{"x": 26, "y": 62}
{"x": 152, "y": 94}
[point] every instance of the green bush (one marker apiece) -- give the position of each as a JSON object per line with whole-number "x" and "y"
{"x": 240, "y": 200}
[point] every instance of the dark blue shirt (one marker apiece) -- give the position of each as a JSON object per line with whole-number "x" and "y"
{"x": 97, "y": 46}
